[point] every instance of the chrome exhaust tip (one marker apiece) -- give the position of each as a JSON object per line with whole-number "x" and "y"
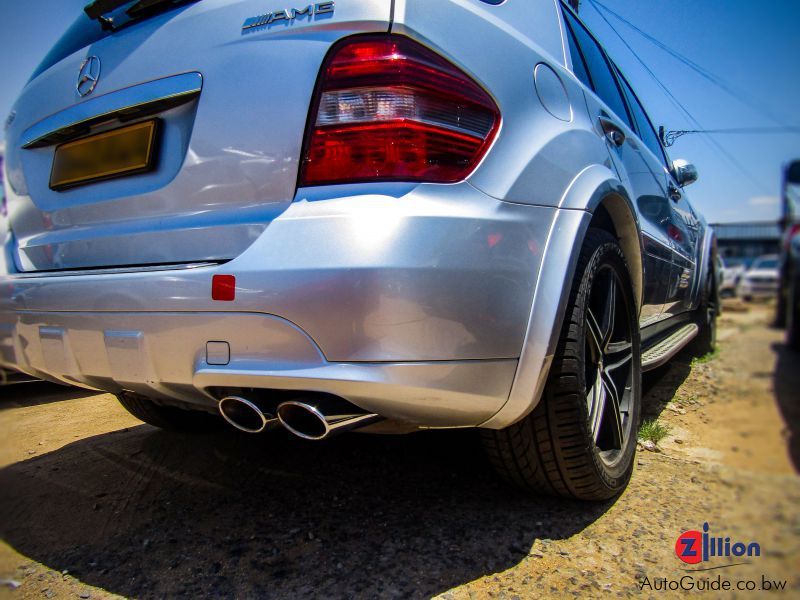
{"x": 245, "y": 415}
{"x": 314, "y": 421}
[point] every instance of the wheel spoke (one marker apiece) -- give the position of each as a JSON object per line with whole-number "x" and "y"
{"x": 618, "y": 355}
{"x": 595, "y": 336}
{"x": 609, "y": 311}
{"x": 597, "y": 405}
{"x": 612, "y": 417}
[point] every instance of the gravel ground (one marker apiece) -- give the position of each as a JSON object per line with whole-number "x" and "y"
{"x": 93, "y": 504}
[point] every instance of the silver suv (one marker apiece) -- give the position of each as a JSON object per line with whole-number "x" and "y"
{"x": 353, "y": 214}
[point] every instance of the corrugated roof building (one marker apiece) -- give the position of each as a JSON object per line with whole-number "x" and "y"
{"x": 747, "y": 240}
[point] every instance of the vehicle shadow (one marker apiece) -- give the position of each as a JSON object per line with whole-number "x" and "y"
{"x": 35, "y": 393}
{"x": 659, "y": 385}
{"x": 147, "y": 513}
{"x": 786, "y": 385}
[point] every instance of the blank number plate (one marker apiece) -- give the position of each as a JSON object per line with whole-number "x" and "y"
{"x": 116, "y": 153}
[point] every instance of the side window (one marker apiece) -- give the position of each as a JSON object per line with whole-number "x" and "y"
{"x": 646, "y": 131}
{"x": 578, "y": 66}
{"x": 603, "y": 80}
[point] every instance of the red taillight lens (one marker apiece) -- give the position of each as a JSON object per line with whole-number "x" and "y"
{"x": 389, "y": 109}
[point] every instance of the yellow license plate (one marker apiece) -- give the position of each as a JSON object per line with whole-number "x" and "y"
{"x": 116, "y": 153}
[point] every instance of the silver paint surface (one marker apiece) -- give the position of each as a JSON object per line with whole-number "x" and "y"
{"x": 438, "y": 305}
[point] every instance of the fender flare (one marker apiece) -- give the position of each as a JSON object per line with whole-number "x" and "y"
{"x": 588, "y": 190}
{"x": 707, "y": 262}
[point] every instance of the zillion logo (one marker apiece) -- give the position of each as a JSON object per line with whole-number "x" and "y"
{"x": 288, "y": 15}
{"x": 694, "y": 546}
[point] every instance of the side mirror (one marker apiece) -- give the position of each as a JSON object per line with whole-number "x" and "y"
{"x": 684, "y": 172}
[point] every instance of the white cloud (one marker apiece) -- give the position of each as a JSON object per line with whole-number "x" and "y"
{"x": 763, "y": 201}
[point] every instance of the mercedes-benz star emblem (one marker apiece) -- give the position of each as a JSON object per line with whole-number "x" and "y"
{"x": 89, "y": 74}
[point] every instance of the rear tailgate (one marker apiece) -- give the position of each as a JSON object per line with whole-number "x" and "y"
{"x": 231, "y": 105}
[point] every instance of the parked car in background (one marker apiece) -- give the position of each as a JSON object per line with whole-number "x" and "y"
{"x": 343, "y": 216}
{"x": 731, "y": 272}
{"x": 760, "y": 281}
{"x": 789, "y": 296}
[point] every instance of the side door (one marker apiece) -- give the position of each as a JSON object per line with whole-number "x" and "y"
{"x": 675, "y": 220}
{"x": 685, "y": 234}
{"x": 614, "y": 122}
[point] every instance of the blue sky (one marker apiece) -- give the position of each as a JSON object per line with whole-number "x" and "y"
{"x": 751, "y": 47}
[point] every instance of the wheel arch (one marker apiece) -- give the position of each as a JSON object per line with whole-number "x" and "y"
{"x": 595, "y": 198}
{"x": 615, "y": 216}
{"x": 708, "y": 265}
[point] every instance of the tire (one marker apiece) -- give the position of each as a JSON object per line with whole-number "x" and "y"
{"x": 169, "y": 417}
{"x": 793, "y": 315}
{"x": 706, "y": 318}
{"x": 568, "y": 446}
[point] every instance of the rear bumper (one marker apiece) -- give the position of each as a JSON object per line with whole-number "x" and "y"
{"x": 195, "y": 358}
{"x": 413, "y": 304}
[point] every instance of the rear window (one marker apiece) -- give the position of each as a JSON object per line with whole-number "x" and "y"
{"x": 86, "y": 31}
{"x": 646, "y": 131}
{"x": 83, "y": 32}
{"x": 603, "y": 81}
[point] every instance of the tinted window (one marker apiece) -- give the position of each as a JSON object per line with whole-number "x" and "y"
{"x": 646, "y": 131}
{"x": 604, "y": 83}
{"x": 81, "y": 33}
{"x": 85, "y": 31}
{"x": 578, "y": 67}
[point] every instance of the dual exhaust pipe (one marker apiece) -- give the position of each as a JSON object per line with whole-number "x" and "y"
{"x": 314, "y": 418}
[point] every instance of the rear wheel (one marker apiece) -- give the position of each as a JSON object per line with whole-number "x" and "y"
{"x": 580, "y": 440}
{"x": 706, "y": 318}
{"x": 168, "y": 417}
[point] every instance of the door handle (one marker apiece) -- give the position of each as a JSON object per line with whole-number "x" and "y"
{"x": 612, "y": 131}
{"x": 674, "y": 192}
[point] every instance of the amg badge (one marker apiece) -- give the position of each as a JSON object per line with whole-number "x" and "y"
{"x": 288, "y": 14}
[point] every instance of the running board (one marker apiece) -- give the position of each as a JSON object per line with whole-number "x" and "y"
{"x": 657, "y": 355}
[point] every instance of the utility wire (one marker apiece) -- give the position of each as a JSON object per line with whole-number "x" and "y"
{"x": 671, "y": 136}
{"x": 678, "y": 104}
{"x": 737, "y": 93}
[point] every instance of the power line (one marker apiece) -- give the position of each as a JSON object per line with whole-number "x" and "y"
{"x": 737, "y": 93}
{"x": 671, "y": 136}
{"x": 678, "y": 104}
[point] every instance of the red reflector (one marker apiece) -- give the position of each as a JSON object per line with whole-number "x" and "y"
{"x": 389, "y": 109}
{"x": 223, "y": 287}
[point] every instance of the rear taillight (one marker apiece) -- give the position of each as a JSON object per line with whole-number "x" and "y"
{"x": 389, "y": 109}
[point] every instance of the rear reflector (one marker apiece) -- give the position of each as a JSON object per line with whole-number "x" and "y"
{"x": 223, "y": 287}
{"x": 389, "y": 109}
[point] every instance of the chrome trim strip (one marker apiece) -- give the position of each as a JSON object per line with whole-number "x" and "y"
{"x": 111, "y": 271}
{"x": 75, "y": 120}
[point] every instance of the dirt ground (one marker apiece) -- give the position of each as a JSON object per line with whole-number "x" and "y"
{"x": 93, "y": 504}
